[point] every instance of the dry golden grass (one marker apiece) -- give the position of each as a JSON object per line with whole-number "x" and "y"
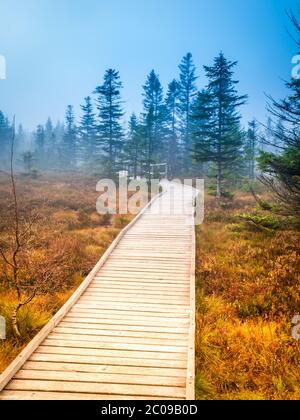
{"x": 248, "y": 288}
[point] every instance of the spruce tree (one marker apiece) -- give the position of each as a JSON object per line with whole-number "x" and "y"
{"x": 28, "y": 160}
{"x": 40, "y": 150}
{"x": 134, "y": 146}
{"x": 188, "y": 92}
{"x": 251, "y": 149}
{"x": 110, "y": 113}
{"x": 271, "y": 139}
{"x": 19, "y": 140}
{"x": 203, "y": 129}
{"x": 59, "y": 130}
{"x": 87, "y": 133}
{"x": 267, "y": 137}
{"x": 153, "y": 117}
{"x": 5, "y": 135}
{"x": 69, "y": 141}
{"x": 223, "y": 140}
{"x": 278, "y": 135}
{"x": 49, "y": 131}
{"x": 171, "y": 116}
{"x": 50, "y": 145}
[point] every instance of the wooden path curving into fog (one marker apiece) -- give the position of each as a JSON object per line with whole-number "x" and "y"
{"x": 128, "y": 331}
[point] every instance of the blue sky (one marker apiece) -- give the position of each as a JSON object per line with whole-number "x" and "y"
{"x": 58, "y": 50}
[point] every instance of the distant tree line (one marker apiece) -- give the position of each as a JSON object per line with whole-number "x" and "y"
{"x": 195, "y": 133}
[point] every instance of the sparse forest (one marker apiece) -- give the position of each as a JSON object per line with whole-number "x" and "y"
{"x": 190, "y": 132}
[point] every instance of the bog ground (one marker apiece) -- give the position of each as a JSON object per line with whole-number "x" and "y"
{"x": 247, "y": 283}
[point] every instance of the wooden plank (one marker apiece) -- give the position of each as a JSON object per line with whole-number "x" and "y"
{"x": 116, "y": 327}
{"x": 93, "y": 313}
{"x": 100, "y": 378}
{"x": 147, "y": 272}
{"x": 116, "y": 313}
{"x": 144, "y": 307}
{"x": 131, "y": 354}
{"x": 175, "y": 272}
{"x": 94, "y": 388}
{"x": 136, "y": 298}
{"x": 108, "y": 286}
{"x": 115, "y": 262}
{"x": 147, "y": 285}
{"x": 120, "y": 339}
{"x": 78, "y": 343}
{"x": 126, "y": 323}
{"x": 133, "y": 253}
{"x": 158, "y": 235}
{"x": 133, "y": 292}
{"x": 131, "y": 278}
{"x": 151, "y": 248}
{"x": 131, "y": 307}
{"x": 66, "y": 357}
{"x": 150, "y": 275}
{"x": 126, "y": 299}
{"x": 46, "y": 395}
{"x": 121, "y": 333}
{"x": 146, "y": 267}
{"x": 148, "y": 257}
{"x": 112, "y": 369}
{"x": 141, "y": 282}
{"x": 132, "y": 243}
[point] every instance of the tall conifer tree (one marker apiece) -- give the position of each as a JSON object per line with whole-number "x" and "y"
{"x": 153, "y": 116}
{"x": 188, "y": 91}
{"x": 40, "y": 149}
{"x": 134, "y": 146}
{"x": 172, "y": 111}
{"x": 5, "y": 131}
{"x": 220, "y": 139}
{"x": 110, "y": 112}
{"x": 87, "y": 132}
{"x": 69, "y": 141}
{"x": 251, "y": 149}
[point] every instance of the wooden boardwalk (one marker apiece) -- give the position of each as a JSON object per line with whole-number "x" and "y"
{"x": 128, "y": 331}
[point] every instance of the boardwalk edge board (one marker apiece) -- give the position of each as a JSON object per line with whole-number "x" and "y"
{"x": 190, "y": 383}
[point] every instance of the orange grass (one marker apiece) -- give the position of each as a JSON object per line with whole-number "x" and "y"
{"x": 248, "y": 289}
